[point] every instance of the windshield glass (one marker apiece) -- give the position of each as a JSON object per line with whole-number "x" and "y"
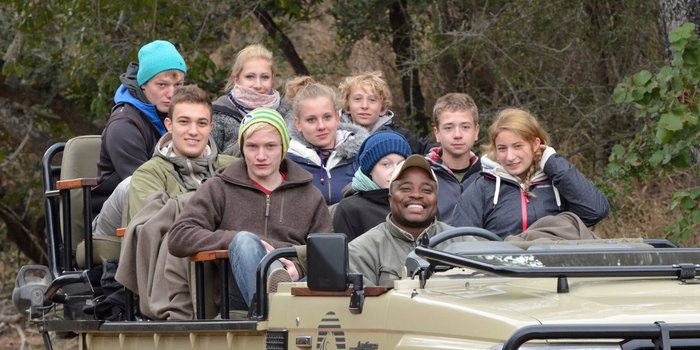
{"x": 583, "y": 259}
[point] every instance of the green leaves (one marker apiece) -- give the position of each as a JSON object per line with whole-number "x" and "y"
{"x": 667, "y": 103}
{"x": 671, "y": 122}
{"x": 680, "y": 37}
{"x": 688, "y": 202}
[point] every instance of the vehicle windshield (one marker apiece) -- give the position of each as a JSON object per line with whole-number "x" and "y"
{"x": 581, "y": 259}
{"x": 583, "y": 262}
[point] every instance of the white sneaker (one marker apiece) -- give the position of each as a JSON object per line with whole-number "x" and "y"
{"x": 276, "y": 277}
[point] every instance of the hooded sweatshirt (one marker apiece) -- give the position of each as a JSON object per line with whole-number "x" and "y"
{"x": 330, "y": 178}
{"x": 497, "y": 201}
{"x": 128, "y": 139}
{"x": 386, "y": 122}
{"x": 172, "y": 174}
{"x": 230, "y": 202}
{"x": 449, "y": 187}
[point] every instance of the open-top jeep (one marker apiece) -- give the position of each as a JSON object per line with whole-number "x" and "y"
{"x": 487, "y": 294}
{"x": 478, "y": 295}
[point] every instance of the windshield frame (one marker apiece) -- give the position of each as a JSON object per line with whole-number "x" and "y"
{"x": 682, "y": 270}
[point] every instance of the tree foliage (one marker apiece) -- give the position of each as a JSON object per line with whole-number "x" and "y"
{"x": 76, "y": 48}
{"x": 667, "y": 105}
{"x": 559, "y": 59}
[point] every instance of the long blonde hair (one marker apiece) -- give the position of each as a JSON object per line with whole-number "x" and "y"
{"x": 523, "y": 124}
{"x": 250, "y": 51}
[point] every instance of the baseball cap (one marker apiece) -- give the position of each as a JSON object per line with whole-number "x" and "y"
{"x": 414, "y": 160}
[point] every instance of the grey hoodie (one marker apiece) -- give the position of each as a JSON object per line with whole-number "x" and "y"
{"x": 189, "y": 171}
{"x": 386, "y": 122}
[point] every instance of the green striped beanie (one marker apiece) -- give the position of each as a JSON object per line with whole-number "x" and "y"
{"x": 269, "y": 116}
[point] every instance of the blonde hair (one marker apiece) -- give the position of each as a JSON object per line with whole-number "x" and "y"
{"x": 292, "y": 87}
{"x": 374, "y": 80}
{"x": 314, "y": 90}
{"x": 243, "y": 56}
{"x": 523, "y": 124}
{"x": 455, "y": 102}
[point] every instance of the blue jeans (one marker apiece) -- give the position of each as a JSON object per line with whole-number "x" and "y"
{"x": 245, "y": 253}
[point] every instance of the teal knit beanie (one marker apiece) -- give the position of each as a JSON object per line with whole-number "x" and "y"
{"x": 158, "y": 56}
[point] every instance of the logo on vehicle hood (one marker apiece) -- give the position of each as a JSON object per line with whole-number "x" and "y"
{"x": 330, "y": 333}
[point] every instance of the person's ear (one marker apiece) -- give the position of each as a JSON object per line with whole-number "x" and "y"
{"x": 297, "y": 123}
{"x": 384, "y": 110}
{"x": 168, "y": 124}
{"x": 538, "y": 146}
{"x": 436, "y": 132}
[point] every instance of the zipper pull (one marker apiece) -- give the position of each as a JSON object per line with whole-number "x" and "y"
{"x": 267, "y": 205}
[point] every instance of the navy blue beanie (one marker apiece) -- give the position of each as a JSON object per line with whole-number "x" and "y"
{"x": 379, "y": 145}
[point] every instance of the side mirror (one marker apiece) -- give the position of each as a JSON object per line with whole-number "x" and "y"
{"x": 327, "y": 264}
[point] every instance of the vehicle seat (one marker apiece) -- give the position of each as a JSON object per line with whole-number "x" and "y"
{"x": 79, "y": 160}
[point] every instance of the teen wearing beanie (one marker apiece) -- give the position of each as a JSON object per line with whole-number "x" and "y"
{"x": 368, "y": 204}
{"x": 136, "y": 123}
{"x": 259, "y": 202}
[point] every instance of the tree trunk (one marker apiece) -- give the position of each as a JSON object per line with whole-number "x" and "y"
{"x": 57, "y": 104}
{"x": 603, "y": 21}
{"x": 673, "y": 13}
{"x": 24, "y": 226}
{"x": 27, "y": 232}
{"x": 285, "y": 44}
{"x": 451, "y": 20}
{"x": 400, "y": 22}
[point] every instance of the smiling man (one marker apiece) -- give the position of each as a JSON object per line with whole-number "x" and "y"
{"x": 185, "y": 156}
{"x": 380, "y": 254}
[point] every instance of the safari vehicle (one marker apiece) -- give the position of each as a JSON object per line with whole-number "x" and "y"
{"x": 487, "y": 294}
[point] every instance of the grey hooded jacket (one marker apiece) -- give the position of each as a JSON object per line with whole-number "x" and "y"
{"x": 386, "y": 122}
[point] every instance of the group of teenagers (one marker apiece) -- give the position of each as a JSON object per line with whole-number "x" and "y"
{"x": 260, "y": 170}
